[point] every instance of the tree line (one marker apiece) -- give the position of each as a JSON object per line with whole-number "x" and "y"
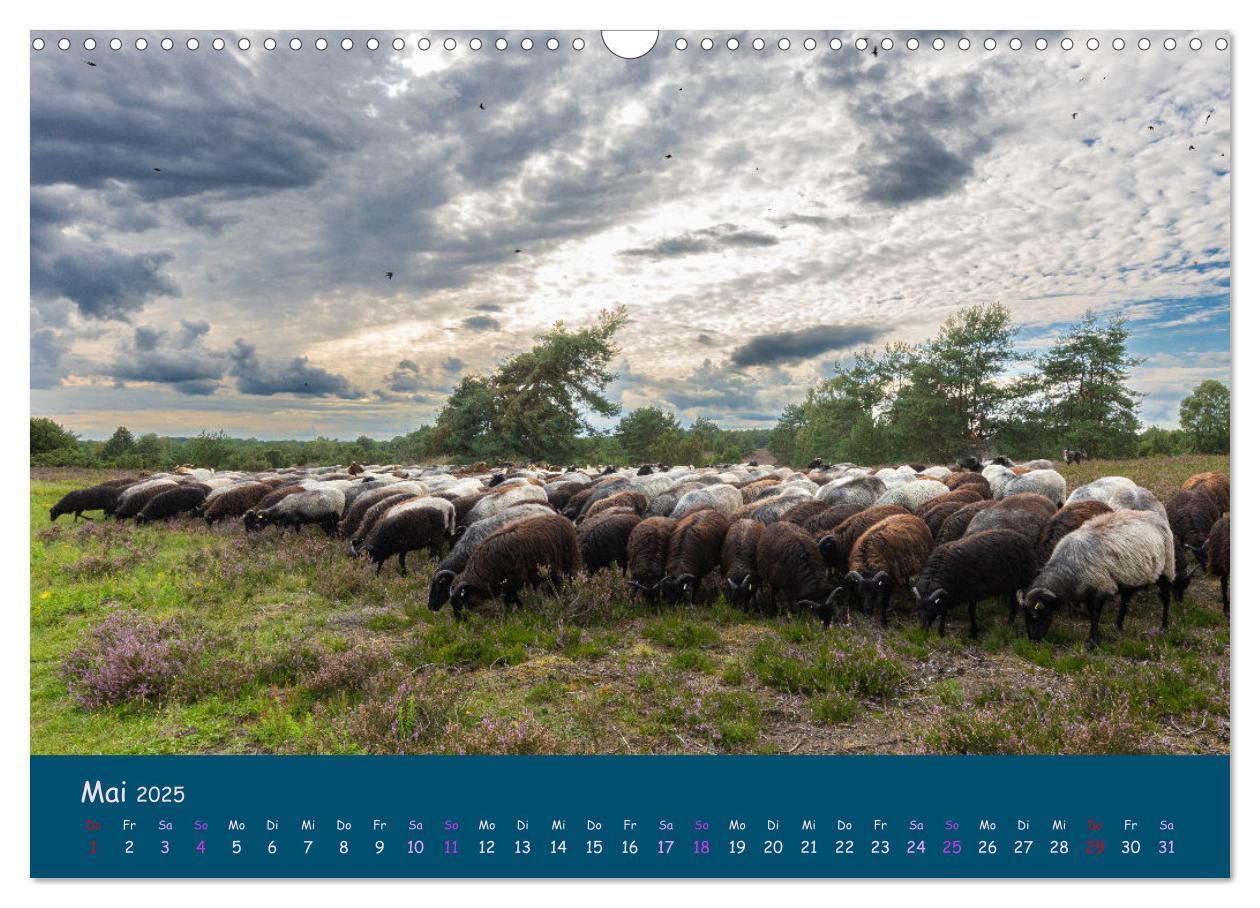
{"x": 968, "y": 390}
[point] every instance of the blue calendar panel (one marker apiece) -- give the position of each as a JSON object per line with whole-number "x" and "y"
{"x": 630, "y": 816}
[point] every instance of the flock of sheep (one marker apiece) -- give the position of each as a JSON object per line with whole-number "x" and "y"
{"x": 837, "y": 536}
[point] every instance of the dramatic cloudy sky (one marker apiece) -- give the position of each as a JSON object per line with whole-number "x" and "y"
{"x": 210, "y": 231}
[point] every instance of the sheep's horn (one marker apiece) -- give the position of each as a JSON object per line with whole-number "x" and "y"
{"x": 938, "y": 594}
{"x": 853, "y": 577}
{"x": 747, "y": 584}
{"x": 731, "y": 583}
{"x": 1043, "y": 594}
{"x": 880, "y": 575}
{"x": 918, "y": 597}
{"x": 832, "y": 595}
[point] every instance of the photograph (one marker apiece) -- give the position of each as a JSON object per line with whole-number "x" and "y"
{"x": 762, "y": 393}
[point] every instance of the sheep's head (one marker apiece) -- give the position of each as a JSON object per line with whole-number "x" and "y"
{"x": 440, "y": 589}
{"x": 930, "y": 606}
{"x": 254, "y": 521}
{"x": 741, "y": 592}
{"x": 1181, "y": 580}
{"x": 1199, "y": 552}
{"x": 1040, "y": 605}
{"x": 464, "y": 594}
{"x": 54, "y": 512}
{"x": 872, "y": 588}
{"x": 649, "y": 591}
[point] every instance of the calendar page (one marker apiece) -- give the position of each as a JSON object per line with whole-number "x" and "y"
{"x": 630, "y": 454}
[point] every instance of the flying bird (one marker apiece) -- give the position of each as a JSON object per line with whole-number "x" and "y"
{"x": 90, "y": 63}
{"x": 874, "y": 51}
{"x": 389, "y": 275}
{"x": 668, "y": 156}
{"x": 1191, "y": 148}
{"x": 1073, "y": 115}
{"x": 518, "y": 250}
{"x": 1151, "y": 128}
{"x": 158, "y": 169}
{"x": 1209, "y": 116}
{"x": 482, "y": 105}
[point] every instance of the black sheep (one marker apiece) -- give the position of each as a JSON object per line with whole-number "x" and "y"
{"x": 235, "y": 501}
{"x": 374, "y": 513}
{"x": 1218, "y": 557}
{"x": 740, "y": 577}
{"x": 646, "y": 552}
{"x": 828, "y": 520}
{"x": 955, "y": 525}
{"x": 836, "y": 545}
{"x": 1192, "y": 513}
{"x": 524, "y": 553}
{"x": 604, "y": 537}
{"x": 695, "y": 548}
{"x": 1025, "y": 513}
{"x": 348, "y": 527}
{"x": 803, "y": 512}
{"x": 94, "y": 498}
{"x": 790, "y": 562}
{"x": 976, "y": 567}
{"x": 173, "y": 502}
{"x": 132, "y": 504}
{"x": 405, "y": 531}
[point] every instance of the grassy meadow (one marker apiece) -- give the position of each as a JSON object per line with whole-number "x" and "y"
{"x": 184, "y": 639}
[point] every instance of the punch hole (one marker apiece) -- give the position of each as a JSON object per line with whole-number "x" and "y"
{"x": 1221, "y": 44}
{"x": 886, "y": 44}
{"x": 142, "y": 43}
{"x": 1117, "y": 44}
{"x": 269, "y": 44}
{"x": 579, "y": 43}
{"x": 964, "y": 44}
{"x": 1196, "y": 43}
{"x": 760, "y": 44}
{"x": 912, "y": 43}
{"x": 552, "y": 44}
{"x": 706, "y": 44}
{"x": 116, "y": 43}
{"x": 398, "y": 44}
{"x": 810, "y": 44}
{"x": 527, "y": 44}
{"x": 499, "y": 44}
{"x": 321, "y": 44}
{"x": 424, "y": 44}
{"x": 474, "y": 44}
{"x": 1067, "y": 44}
{"x": 38, "y": 44}
{"x": 1144, "y": 43}
{"x": 1092, "y": 44}
{"x": 243, "y": 43}
{"x": 1016, "y": 44}
{"x": 1041, "y": 44}
{"x": 938, "y": 44}
{"x": 1170, "y": 44}
{"x": 63, "y": 44}
{"x": 90, "y": 43}
{"x": 448, "y": 44}
{"x": 373, "y": 44}
{"x": 990, "y": 43}
{"x": 192, "y": 44}
{"x": 295, "y": 44}
{"x": 834, "y": 44}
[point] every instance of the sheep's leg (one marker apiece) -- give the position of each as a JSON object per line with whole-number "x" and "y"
{"x": 1165, "y": 589}
{"x": 1125, "y": 596}
{"x": 1095, "y": 605}
{"x": 379, "y": 564}
{"x": 940, "y": 625}
{"x": 772, "y": 591}
{"x": 1012, "y": 608}
{"x": 1225, "y": 592}
{"x": 402, "y": 563}
{"x": 971, "y": 615}
{"x": 884, "y": 598}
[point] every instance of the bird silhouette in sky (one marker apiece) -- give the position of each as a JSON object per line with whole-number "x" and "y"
{"x": 90, "y": 63}
{"x": 389, "y": 275}
{"x": 1191, "y": 148}
{"x": 157, "y": 169}
{"x": 1209, "y": 116}
{"x": 1073, "y": 115}
{"x": 482, "y": 105}
{"x": 668, "y": 156}
{"x": 518, "y": 250}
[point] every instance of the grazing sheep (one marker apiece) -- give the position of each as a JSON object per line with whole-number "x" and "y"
{"x": 863, "y": 490}
{"x": 635, "y": 501}
{"x": 936, "y": 473}
{"x": 741, "y": 582}
{"x": 453, "y": 563}
{"x": 724, "y": 499}
{"x": 1038, "y": 482}
{"x": 1137, "y": 499}
{"x": 955, "y": 525}
{"x": 1068, "y": 518}
{"x": 831, "y": 518}
{"x": 375, "y": 512}
{"x": 1215, "y": 485}
{"x": 349, "y": 525}
{"x": 1192, "y": 513}
{"x": 1027, "y": 513}
{"x": 662, "y": 504}
{"x": 233, "y": 501}
{"x": 603, "y": 538}
{"x": 559, "y": 493}
{"x": 1102, "y": 489}
{"x": 969, "y": 480}
{"x": 836, "y": 545}
{"x": 992, "y": 563}
{"x": 134, "y": 498}
{"x": 695, "y": 548}
{"x": 406, "y": 529}
{"x": 173, "y": 502}
{"x": 522, "y": 553}
{"x": 936, "y": 511}
{"x": 646, "y": 553}
{"x": 970, "y": 464}
{"x": 802, "y": 513}
{"x": 1218, "y": 556}
{"x": 1070, "y": 456}
{"x": 318, "y": 506}
{"x": 502, "y": 498}
{"x": 94, "y": 498}
{"x": 1039, "y": 464}
{"x": 791, "y": 564}
{"x": 912, "y": 495}
{"x": 1121, "y": 552}
{"x": 753, "y": 488}
{"x": 772, "y": 508}
{"x": 888, "y": 555}
{"x": 276, "y": 495}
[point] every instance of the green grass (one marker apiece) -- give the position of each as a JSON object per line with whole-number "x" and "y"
{"x": 300, "y": 649}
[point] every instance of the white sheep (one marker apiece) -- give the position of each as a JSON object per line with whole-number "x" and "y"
{"x": 911, "y": 495}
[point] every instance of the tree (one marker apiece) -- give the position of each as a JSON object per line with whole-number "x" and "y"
{"x": 536, "y": 404}
{"x": 47, "y": 435}
{"x": 120, "y": 443}
{"x": 639, "y": 430}
{"x": 209, "y": 449}
{"x": 1086, "y": 402}
{"x": 1205, "y": 418}
{"x": 150, "y": 451}
{"x": 782, "y": 443}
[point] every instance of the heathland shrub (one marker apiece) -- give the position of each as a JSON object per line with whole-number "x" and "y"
{"x": 129, "y": 657}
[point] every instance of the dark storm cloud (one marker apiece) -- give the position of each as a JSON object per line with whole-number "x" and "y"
{"x": 295, "y": 376}
{"x": 453, "y": 364}
{"x": 920, "y": 167}
{"x": 698, "y": 242}
{"x": 103, "y": 283}
{"x": 179, "y": 359}
{"x": 48, "y": 351}
{"x": 488, "y": 307}
{"x": 405, "y": 378}
{"x": 788, "y": 346}
{"x": 480, "y": 323}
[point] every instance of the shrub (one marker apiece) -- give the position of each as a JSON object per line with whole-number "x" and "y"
{"x": 130, "y": 658}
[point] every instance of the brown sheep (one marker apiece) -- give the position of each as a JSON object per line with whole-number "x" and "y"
{"x": 349, "y": 524}
{"x": 801, "y": 513}
{"x": 1218, "y": 557}
{"x": 935, "y": 511}
{"x": 1215, "y": 485}
{"x": 956, "y": 523}
{"x": 646, "y": 552}
{"x": 636, "y": 501}
{"x": 1192, "y": 513}
{"x": 751, "y": 490}
{"x": 1071, "y": 516}
{"x": 793, "y": 565}
{"x": 888, "y": 555}
{"x": 967, "y": 479}
{"x": 695, "y": 548}
{"x": 373, "y": 514}
{"x": 235, "y": 501}
{"x": 604, "y": 538}
{"x": 520, "y": 554}
{"x": 1026, "y": 513}
{"x": 741, "y": 580}
{"x": 836, "y": 545}
{"x": 559, "y": 496}
{"x": 831, "y": 518}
